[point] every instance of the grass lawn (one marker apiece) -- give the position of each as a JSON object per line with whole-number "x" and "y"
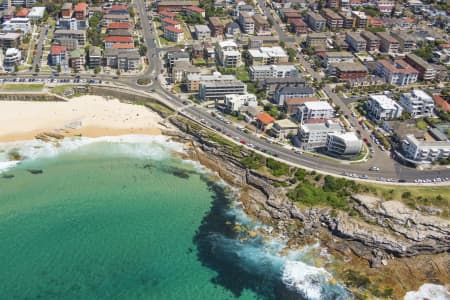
{"x": 242, "y": 75}
{"x": 60, "y": 89}
{"x": 22, "y": 87}
{"x": 421, "y": 124}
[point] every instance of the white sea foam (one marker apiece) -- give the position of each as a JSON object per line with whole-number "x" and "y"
{"x": 6, "y": 165}
{"x": 429, "y": 291}
{"x": 154, "y": 147}
{"x": 305, "y": 279}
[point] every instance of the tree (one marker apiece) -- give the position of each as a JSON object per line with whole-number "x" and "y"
{"x": 58, "y": 68}
{"x": 292, "y": 54}
{"x": 97, "y": 70}
{"x": 142, "y": 50}
{"x": 16, "y": 68}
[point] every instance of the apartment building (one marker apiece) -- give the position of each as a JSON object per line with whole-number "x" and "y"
{"x": 288, "y": 92}
{"x": 347, "y": 19}
{"x": 346, "y": 71}
{"x": 194, "y": 80}
{"x": 381, "y": 107}
{"x": 58, "y": 55}
{"x": 334, "y": 21}
{"x": 170, "y": 22}
{"x": 337, "y": 57}
{"x": 10, "y": 40}
{"x": 234, "y": 102}
{"x": 360, "y": 19}
{"x": 121, "y": 59}
{"x": 426, "y": 71}
{"x": 217, "y": 28}
{"x": 316, "y": 22}
{"x": 407, "y": 43}
{"x": 298, "y": 26}
{"x": 283, "y": 129}
{"x": 228, "y": 54}
{"x": 262, "y": 26}
{"x": 119, "y": 42}
{"x": 173, "y": 34}
{"x": 425, "y": 151}
{"x": 355, "y": 41}
{"x": 396, "y": 72}
{"x": 12, "y": 58}
{"x": 372, "y": 41}
{"x": 388, "y": 44}
{"x": 313, "y": 136}
{"x": 316, "y": 40}
{"x": 346, "y": 143}
{"x": 273, "y": 71}
{"x": 218, "y": 90}
{"x": 202, "y": 32}
{"x": 417, "y": 103}
{"x": 268, "y": 56}
{"x": 78, "y": 35}
{"x": 94, "y": 57}
{"x": 77, "y": 59}
{"x": 314, "y": 110}
{"x": 246, "y": 22}
{"x": 17, "y": 24}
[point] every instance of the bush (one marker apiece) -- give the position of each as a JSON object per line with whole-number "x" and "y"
{"x": 277, "y": 168}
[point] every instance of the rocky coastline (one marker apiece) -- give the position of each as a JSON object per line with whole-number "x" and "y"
{"x": 385, "y": 235}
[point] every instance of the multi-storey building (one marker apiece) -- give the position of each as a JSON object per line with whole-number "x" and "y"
{"x": 262, "y": 26}
{"x": 202, "y": 32}
{"x": 10, "y": 40}
{"x": 268, "y": 56}
{"x": 234, "y": 102}
{"x": 360, "y": 19}
{"x": 337, "y": 57}
{"x": 426, "y": 70}
{"x": 170, "y": 22}
{"x": 349, "y": 71}
{"x": 217, "y": 28}
{"x": 346, "y": 143}
{"x": 12, "y": 58}
{"x": 313, "y": 136}
{"x": 298, "y": 26}
{"x": 388, "y": 44}
{"x": 425, "y": 151}
{"x": 314, "y": 110}
{"x": 288, "y": 92}
{"x": 94, "y": 57}
{"x": 218, "y": 90}
{"x": 381, "y": 107}
{"x": 355, "y": 41}
{"x": 58, "y": 55}
{"x": 417, "y": 103}
{"x": 372, "y": 41}
{"x": 273, "y": 71}
{"x": 78, "y": 35}
{"x": 228, "y": 54}
{"x": 17, "y": 24}
{"x": 316, "y": 40}
{"x": 173, "y": 34}
{"x": 396, "y": 72}
{"x": 334, "y": 21}
{"x": 126, "y": 60}
{"x": 407, "y": 43}
{"x": 194, "y": 80}
{"x": 247, "y": 23}
{"x": 316, "y": 22}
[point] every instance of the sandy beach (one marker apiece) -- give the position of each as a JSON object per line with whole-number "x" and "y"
{"x": 90, "y": 116}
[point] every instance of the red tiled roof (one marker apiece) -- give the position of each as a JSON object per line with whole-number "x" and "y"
{"x": 265, "y": 118}
{"x": 195, "y": 8}
{"x": 170, "y": 21}
{"x": 23, "y": 12}
{"x": 297, "y": 22}
{"x": 167, "y": 13}
{"x": 439, "y": 101}
{"x": 80, "y": 6}
{"x": 173, "y": 29}
{"x": 119, "y": 39}
{"x": 444, "y": 46}
{"x": 119, "y": 25}
{"x": 399, "y": 66}
{"x": 122, "y": 46}
{"x": 57, "y": 50}
{"x": 300, "y": 101}
{"x": 119, "y": 7}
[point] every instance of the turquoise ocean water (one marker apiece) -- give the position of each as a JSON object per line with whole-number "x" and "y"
{"x": 122, "y": 218}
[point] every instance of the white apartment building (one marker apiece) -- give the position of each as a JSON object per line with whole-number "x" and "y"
{"x": 273, "y": 71}
{"x": 16, "y": 24}
{"x": 425, "y": 151}
{"x": 417, "y": 103}
{"x": 346, "y": 143}
{"x": 234, "y": 102}
{"x": 228, "y": 54}
{"x": 12, "y": 58}
{"x": 314, "y": 110}
{"x": 268, "y": 55}
{"x": 314, "y": 135}
{"x": 355, "y": 41}
{"x": 397, "y": 72}
{"x": 381, "y": 107}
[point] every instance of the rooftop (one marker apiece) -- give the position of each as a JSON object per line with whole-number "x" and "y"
{"x": 173, "y": 29}
{"x": 57, "y": 50}
{"x": 350, "y": 67}
{"x": 384, "y": 101}
{"x": 119, "y": 39}
{"x": 300, "y": 100}
{"x": 397, "y": 66}
{"x": 317, "y": 105}
{"x": 265, "y": 118}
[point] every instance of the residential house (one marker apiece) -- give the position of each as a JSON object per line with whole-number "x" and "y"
{"x": 283, "y": 129}
{"x": 232, "y": 29}
{"x": 202, "y": 32}
{"x": 66, "y": 10}
{"x": 264, "y": 121}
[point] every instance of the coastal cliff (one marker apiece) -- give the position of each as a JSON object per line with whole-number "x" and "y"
{"x": 376, "y": 235}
